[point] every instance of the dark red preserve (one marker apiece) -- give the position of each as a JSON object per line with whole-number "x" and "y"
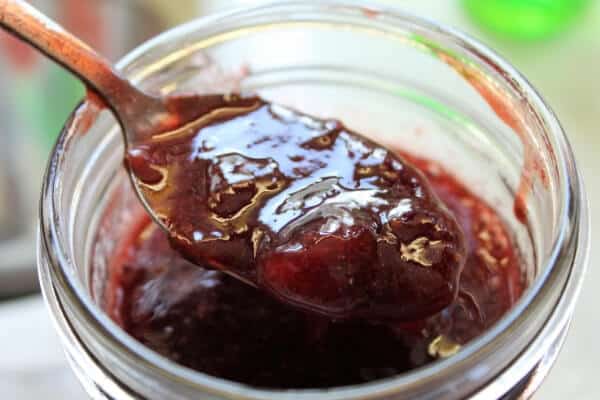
{"x": 208, "y": 321}
{"x": 305, "y": 209}
{"x": 383, "y": 262}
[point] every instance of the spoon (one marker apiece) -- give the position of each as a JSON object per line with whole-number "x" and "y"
{"x": 139, "y": 114}
{"x": 307, "y": 210}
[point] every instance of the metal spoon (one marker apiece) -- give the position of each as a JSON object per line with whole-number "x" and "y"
{"x": 374, "y": 294}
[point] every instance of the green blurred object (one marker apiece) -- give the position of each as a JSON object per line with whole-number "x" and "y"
{"x": 525, "y": 19}
{"x": 46, "y": 101}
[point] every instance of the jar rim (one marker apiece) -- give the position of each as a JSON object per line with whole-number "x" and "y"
{"x": 573, "y": 229}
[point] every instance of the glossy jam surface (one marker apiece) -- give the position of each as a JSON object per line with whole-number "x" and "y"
{"x": 305, "y": 209}
{"x": 211, "y": 322}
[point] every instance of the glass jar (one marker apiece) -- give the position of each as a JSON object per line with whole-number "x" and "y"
{"x": 406, "y": 82}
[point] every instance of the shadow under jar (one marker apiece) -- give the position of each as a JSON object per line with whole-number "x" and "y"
{"x": 406, "y": 83}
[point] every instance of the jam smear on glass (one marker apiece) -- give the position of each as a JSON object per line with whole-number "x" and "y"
{"x": 305, "y": 209}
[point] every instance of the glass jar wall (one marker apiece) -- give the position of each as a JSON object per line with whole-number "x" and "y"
{"x": 386, "y": 75}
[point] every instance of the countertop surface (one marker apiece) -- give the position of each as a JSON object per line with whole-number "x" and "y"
{"x": 563, "y": 69}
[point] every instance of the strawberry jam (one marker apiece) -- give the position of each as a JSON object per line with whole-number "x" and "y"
{"x": 305, "y": 209}
{"x": 212, "y": 322}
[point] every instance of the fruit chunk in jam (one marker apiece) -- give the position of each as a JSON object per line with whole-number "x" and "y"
{"x": 305, "y": 209}
{"x": 210, "y": 322}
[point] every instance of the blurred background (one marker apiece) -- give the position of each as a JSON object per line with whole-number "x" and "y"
{"x": 555, "y": 43}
